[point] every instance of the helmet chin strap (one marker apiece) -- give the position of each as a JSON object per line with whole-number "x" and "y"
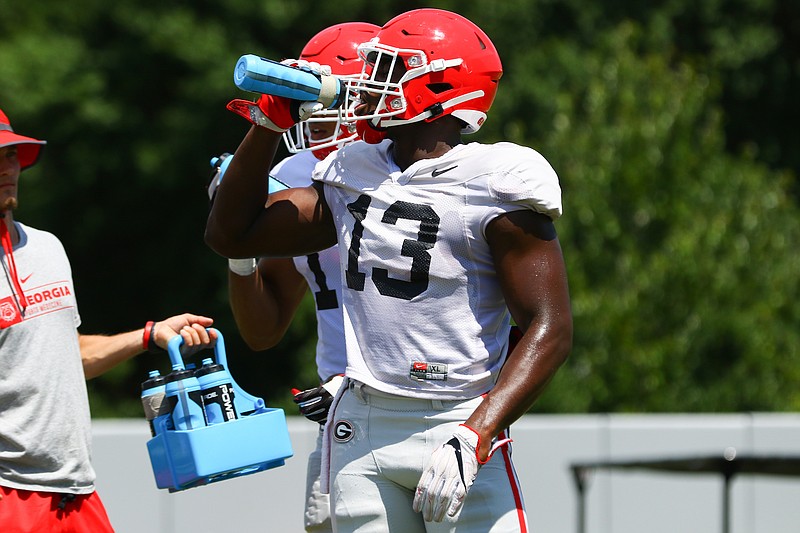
{"x": 368, "y": 133}
{"x": 430, "y": 113}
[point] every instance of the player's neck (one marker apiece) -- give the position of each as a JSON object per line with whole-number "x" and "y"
{"x": 424, "y": 140}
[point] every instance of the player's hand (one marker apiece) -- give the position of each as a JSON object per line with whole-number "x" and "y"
{"x": 315, "y": 403}
{"x": 323, "y": 72}
{"x": 309, "y": 66}
{"x": 453, "y": 468}
{"x": 275, "y": 113}
{"x": 278, "y": 113}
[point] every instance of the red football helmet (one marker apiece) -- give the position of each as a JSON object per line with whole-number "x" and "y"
{"x": 428, "y": 63}
{"x": 336, "y": 47}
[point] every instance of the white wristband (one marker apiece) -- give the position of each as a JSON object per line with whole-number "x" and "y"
{"x": 242, "y": 267}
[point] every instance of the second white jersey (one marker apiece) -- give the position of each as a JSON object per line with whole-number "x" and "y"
{"x": 323, "y": 275}
{"x": 424, "y": 315}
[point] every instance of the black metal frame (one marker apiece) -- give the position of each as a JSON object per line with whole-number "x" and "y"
{"x": 727, "y": 467}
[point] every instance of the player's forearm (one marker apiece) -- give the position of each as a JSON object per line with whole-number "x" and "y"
{"x": 264, "y": 302}
{"x": 100, "y": 353}
{"x": 525, "y": 375}
{"x": 531, "y": 270}
{"x": 241, "y": 196}
{"x": 255, "y": 311}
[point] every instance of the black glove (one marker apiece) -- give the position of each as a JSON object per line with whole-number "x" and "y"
{"x": 315, "y": 403}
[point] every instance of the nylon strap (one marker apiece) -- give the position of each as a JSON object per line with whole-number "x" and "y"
{"x": 327, "y": 90}
{"x": 8, "y": 248}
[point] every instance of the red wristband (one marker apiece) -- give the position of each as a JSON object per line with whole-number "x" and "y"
{"x": 147, "y": 336}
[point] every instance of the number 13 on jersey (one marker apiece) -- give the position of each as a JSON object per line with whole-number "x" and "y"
{"x": 416, "y": 249}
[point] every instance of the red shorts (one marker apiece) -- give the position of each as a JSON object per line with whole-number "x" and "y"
{"x": 25, "y": 511}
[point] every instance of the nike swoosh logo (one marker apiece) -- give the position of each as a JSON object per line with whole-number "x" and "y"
{"x": 26, "y": 278}
{"x": 438, "y": 172}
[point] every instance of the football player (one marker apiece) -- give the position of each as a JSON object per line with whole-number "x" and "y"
{"x": 264, "y": 294}
{"x": 441, "y": 244}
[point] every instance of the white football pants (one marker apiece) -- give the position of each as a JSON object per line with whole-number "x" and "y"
{"x": 380, "y": 444}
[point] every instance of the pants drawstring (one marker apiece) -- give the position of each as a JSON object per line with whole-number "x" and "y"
{"x": 65, "y": 499}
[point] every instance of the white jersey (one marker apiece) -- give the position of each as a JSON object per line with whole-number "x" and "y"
{"x": 424, "y": 313}
{"x": 323, "y": 275}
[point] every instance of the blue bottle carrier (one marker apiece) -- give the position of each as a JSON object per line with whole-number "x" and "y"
{"x": 258, "y": 440}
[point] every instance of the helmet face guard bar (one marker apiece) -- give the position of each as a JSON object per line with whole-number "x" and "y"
{"x": 329, "y": 129}
{"x": 340, "y": 122}
{"x": 386, "y": 70}
{"x": 299, "y": 137}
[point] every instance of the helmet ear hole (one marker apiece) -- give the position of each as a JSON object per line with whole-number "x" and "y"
{"x": 438, "y": 88}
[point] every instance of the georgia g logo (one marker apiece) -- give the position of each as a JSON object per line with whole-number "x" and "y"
{"x": 343, "y": 431}
{"x": 7, "y": 311}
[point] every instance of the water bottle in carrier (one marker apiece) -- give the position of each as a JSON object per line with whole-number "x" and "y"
{"x": 154, "y": 398}
{"x": 216, "y": 388}
{"x": 186, "y": 452}
{"x": 183, "y": 398}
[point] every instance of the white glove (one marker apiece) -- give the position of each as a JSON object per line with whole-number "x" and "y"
{"x": 306, "y": 109}
{"x": 452, "y": 470}
{"x": 311, "y": 66}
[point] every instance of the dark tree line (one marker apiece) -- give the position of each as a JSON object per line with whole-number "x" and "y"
{"x": 672, "y": 125}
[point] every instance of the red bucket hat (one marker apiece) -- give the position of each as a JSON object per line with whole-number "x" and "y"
{"x": 28, "y": 149}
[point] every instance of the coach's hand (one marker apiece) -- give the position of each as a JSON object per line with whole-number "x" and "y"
{"x": 452, "y": 470}
{"x": 315, "y": 403}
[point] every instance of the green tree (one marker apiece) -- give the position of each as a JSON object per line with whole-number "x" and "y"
{"x": 670, "y": 124}
{"x": 679, "y": 254}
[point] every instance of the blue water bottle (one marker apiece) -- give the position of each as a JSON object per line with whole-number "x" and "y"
{"x": 154, "y": 399}
{"x": 183, "y": 398}
{"x": 259, "y": 75}
{"x": 216, "y": 387}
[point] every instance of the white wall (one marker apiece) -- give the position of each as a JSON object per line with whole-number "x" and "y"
{"x": 544, "y": 449}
